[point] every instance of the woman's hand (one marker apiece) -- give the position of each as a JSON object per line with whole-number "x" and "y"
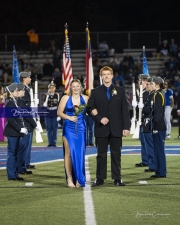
{"x": 72, "y": 118}
{"x": 94, "y": 112}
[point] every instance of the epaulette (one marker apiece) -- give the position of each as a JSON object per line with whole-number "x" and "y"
{"x": 161, "y": 96}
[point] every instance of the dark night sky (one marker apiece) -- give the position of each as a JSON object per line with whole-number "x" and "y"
{"x": 18, "y": 16}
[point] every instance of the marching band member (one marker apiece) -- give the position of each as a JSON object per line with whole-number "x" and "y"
{"x": 159, "y": 127}
{"x": 14, "y": 131}
{"x": 147, "y": 127}
{"x": 51, "y": 120}
{"x": 25, "y": 78}
{"x": 142, "y": 81}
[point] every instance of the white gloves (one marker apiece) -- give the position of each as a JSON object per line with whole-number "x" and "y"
{"x": 37, "y": 128}
{"x": 58, "y": 118}
{"x": 24, "y": 131}
{"x": 36, "y": 101}
{"x": 134, "y": 103}
{"x": 45, "y": 104}
{"x": 140, "y": 105}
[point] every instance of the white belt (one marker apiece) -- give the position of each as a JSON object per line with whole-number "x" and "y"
{"x": 52, "y": 108}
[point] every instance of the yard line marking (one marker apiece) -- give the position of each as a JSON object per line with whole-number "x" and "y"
{"x": 88, "y": 201}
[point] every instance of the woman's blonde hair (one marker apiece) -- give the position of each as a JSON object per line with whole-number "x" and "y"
{"x": 73, "y": 81}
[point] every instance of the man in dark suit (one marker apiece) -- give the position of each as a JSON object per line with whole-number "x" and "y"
{"x": 108, "y": 107}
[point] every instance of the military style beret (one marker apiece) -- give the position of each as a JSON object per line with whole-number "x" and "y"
{"x": 12, "y": 87}
{"x": 149, "y": 79}
{"x": 25, "y": 74}
{"x": 20, "y": 86}
{"x": 158, "y": 80}
{"x": 143, "y": 76}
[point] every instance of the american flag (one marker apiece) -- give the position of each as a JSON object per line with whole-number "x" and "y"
{"x": 67, "y": 75}
{"x": 89, "y": 66}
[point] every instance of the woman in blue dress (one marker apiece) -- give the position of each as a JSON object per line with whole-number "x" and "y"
{"x": 72, "y": 109}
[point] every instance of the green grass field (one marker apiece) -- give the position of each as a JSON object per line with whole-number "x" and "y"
{"x": 50, "y": 202}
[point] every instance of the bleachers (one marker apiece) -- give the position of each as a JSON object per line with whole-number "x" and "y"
{"x": 78, "y": 59}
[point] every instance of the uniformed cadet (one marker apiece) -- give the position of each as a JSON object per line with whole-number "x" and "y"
{"x": 168, "y": 108}
{"x": 159, "y": 127}
{"x": 25, "y": 78}
{"x": 14, "y": 131}
{"x": 52, "y": 120}
{"x": 147, "y": 127}
{"x": 30, "y": 124}
{"x": 144, "y": 157}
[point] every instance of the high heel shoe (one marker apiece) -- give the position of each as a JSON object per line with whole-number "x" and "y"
{"x": 70, "y": 183}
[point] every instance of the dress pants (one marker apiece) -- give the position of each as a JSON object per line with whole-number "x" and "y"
{"x": 102, "y": 148}
{"x": 22, "y": 152}
{"x": 13, "y": 145}
{"x": 28, "y": 150}
{"x": 149, "y": 146}
{"x": 159, "y": 151}
{"x": 90, "y": 130}
{"x": 51, "y": 129}
{"x": 144, "y": 156}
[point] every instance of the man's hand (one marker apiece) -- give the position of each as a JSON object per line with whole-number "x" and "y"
{"x": 45, "y": 104}
{"x": 36, "y": 101}
{"x": 58, "y": 118}
{"x": 178, "y": 113}
{"x": 125, "y": 133}
{"x": 140, "y": 105}
{"x": 104, "y": 121}
{"x": 24, "y": 130}
{"x": 134, "y": 104}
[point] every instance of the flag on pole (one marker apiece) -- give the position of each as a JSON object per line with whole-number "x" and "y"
{"x": 145, "y": 66}
{"x": 67, "y": 75}
{"x": 89, "y": 66}
{"x": 15, "y": 71}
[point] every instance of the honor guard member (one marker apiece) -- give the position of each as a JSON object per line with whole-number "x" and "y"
{"x": 52, "y": 120}
{"x": 147, "y": 127}
{"x": 25, "y": 78}
{"x": 168, "y": 108}
{"x": 144, "y": 157}
{"x": 30, "y": 124}
{"x": 14, "y": 131}
{"x": 159, "y": 127}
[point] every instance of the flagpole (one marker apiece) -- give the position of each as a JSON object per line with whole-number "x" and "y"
{"x": 89, "y": 66}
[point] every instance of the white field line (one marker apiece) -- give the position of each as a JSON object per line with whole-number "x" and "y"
{"x": 88, "y": 201}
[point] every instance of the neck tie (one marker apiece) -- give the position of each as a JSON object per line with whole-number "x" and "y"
{"x": 108, "y": 93}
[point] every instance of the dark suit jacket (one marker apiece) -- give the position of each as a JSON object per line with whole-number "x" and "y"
{"x": 116, "y": 110}
{"x": 13, "y": 125}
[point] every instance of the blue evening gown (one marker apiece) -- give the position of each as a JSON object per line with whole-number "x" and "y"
{"x": 75, "y": 134}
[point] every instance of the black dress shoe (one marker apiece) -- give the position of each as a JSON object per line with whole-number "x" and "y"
{"x": 149, "y": 170}
{"x": 156, "y": 176}
{"x": 140, "y": 165}
{"x": 97, "y": 182}
{"x": 119, "y": 183}
{"x": 26, "y": 172}
{"x": 17, "y": 178}
{"x": 30, "y": 167}
{"x": 53, "y": 146}
{"x": 49, "y": 145}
